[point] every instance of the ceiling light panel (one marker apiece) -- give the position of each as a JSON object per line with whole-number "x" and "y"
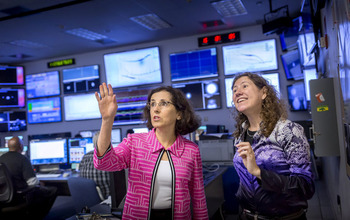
{"x": 86, "y": 34}
{"x": 151, "y": 22}
{"x": 229, "y": 8}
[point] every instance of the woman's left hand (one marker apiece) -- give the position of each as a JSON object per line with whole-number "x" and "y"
{"x": 245, "y": 151}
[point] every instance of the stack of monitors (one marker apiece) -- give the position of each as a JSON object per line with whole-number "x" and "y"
{"x": 43, "y": 104}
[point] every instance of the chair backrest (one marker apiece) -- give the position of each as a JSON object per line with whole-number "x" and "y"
{"x": 83, "y": 192}
{"x": 6, "y": 185}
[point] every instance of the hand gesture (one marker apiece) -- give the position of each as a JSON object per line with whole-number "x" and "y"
{"x": 245, "y": 151}
{"x": 107, "y": 103}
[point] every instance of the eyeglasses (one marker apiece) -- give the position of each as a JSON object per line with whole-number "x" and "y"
{"x": 162, "y": 104}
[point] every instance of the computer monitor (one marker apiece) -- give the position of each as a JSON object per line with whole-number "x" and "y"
{"x": 309, "y": 74}
{"x": 4, "y": 150}
{"x": 48, "y": 151}
{"x": 44, "y": 110}
{"x": 116, "y": 136}
{"x": 78, "y": 147}
{"x": 297, "y": 97}
{"x": 291, "y": 65}
{"x": 11, "y": 75}
{"x": 250, "y": 57}
{"x": 193, "y": 64}
{"x": 88, "y": 133}
{"x": 13, "y": 121}
{"x": 43, "y": 84}
{"x": 81, "y": 79}
{"x": 133, "y": 68}
{"x": 203, "y": 95}
{"x": 12, "y": 98}
{"x": 81, "y": 107}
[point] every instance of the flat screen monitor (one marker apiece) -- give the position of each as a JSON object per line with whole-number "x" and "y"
{"x": 44, "y": 110}
{"x": 43, "y": 84}
{"x": 306, "y": 43}
{"x": 130, "y": 106}
{"x": 116, "y": 136}
{"x": 272, "y": 78}
{"x": 13, "y": 121}
{"x": 309, "y": 74}
{"x": 193, "y": 64}
{"x": 78, "y": 147}
{"x": 250, "y": 57}
{"x": 12, "y": 98}
{"x": 11, "y": 75}
{"x": 291, "y": 65}
{"x": 81, "y": 79}
{"x": 81, "y": 107}
{"x": 289, "y": 37}
{"x": 7, "y": 138}
{"x": 140, "y": 130}
{"x": 133, "y": 68}
{"x": 296, "y": 96}
{"x": 202, "y": 95}
{"x": 48, "y": 151}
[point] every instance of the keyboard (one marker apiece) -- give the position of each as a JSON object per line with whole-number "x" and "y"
{"x": 47, "y": 175}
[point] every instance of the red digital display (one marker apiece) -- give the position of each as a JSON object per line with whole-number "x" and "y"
{"x": 219, "y": 39}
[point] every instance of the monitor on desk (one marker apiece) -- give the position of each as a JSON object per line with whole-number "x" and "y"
{"x": 78, "y": 147}
{"x": 48, "y": 152}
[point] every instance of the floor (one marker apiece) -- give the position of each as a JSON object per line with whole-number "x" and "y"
{"x": 319, "y": 206}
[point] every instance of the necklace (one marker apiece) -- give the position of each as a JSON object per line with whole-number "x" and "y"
{"x": 251, "y": 135}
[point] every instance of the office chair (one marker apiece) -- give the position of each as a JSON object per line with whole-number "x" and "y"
{"x": 10, "y": 206}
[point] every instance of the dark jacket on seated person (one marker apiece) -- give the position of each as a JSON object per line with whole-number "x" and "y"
{"x": 40, "y": 198}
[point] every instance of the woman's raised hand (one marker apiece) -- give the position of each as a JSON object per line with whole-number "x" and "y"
{"x": 107, "y": 102}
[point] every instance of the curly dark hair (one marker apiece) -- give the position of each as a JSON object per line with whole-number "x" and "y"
{"x": 189, "y": 121}
{"x": 272, "y": 109}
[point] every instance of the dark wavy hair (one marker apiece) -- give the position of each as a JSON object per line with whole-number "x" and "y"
{"x": 189, "y": 121}
{"x": 272, "y": 109}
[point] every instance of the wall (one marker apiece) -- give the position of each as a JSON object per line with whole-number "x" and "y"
{"x": 336, "y": 60}
{"x": 221, "y": 116}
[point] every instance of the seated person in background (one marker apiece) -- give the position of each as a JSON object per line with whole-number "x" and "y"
{"x": 40, "y": 198}
{"x": 87, "y": 170}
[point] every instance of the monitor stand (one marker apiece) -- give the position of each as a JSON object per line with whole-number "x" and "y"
{"x": 49, "y": 168}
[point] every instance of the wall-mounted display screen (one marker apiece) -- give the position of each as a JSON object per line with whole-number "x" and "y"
{"x": 296, "y": 96}
{"x": 133, "y": 68}
{"x": 11, "y": 75}
{"x": 306, "y": 42}
{"x": 272, "y": 78}
{"x": 250, "y": 57}
{"x": 309, "y": 74}
{"x": 7, "y": 138}
{"x": 13, "y": 121}
{"x": 81, "y": 79}
{"x": 44, "y": 110}
{"x": 130, "y": 106}
{"x": 291, "y": 65}
{"x": 48, "y": 151}
{"x": 78, "y": 147}
{"x": 81, "y": 107}
{"x": 193, "y": 64}
{"x": 202, "y": 94}
{"x": 43, "y": 84}
{"x": 12, "y": 98}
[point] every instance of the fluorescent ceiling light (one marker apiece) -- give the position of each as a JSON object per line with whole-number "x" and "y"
{"x": 26, "y": 43}
{"x": 229, "y": 8}
{"x": 151, "y": 22}
{"x": 84, "y": 33}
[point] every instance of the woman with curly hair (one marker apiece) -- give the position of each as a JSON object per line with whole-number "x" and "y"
{"x": 165, "y": 169}
{"x": 272, "y": 157}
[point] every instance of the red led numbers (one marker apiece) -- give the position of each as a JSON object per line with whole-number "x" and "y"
{"x": 219, "y": 39}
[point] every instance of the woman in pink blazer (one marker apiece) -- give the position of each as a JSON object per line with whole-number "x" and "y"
{"x": 165, "y": 169}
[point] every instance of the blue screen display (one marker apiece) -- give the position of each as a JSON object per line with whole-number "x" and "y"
{"x": 291, "y": 65}
{"x": 48, "y": 151}
{"x": 202, "y": 94}
{"x": 78, "y": 147}
{"x": 12, "y": 98}
{"x": 296, "y": 96}
{"x": 43, "y": 84}
{"x": 44, "y": 110}
{"x": 193, "y": 64}
{"x": 81, "y": 79}
{"x": 13, "y": 121}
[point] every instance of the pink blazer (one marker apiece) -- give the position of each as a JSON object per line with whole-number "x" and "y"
{"x": 141, "y": 154}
